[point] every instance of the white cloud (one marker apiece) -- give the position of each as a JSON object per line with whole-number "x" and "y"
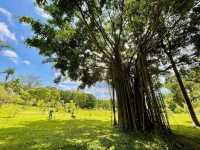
{"x": 57, "y": 74}
{"x": 69, "y": 85}
{"x": 100, "y": 90}
{"x": 64, "y": 87}
{"x": 68, "y": 81}
{"x": 26, "y": 62}
{"x": 14, "y": 60}
{"x": 7, "y": 14}
{"x": 5, "y": 32}
{"x": 12, "y": 55}
{"x": 42, "y": 13}
{"x": 9, "y": 53}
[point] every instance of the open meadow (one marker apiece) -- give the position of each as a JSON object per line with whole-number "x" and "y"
{"x": 28, "y": 128}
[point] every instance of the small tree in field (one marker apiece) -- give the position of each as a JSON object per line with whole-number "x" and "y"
{"x": 8, "y": 72}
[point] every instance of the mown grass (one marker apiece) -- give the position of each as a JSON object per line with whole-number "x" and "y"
{"x": 182, "y": 126}
{"x": 27, "y": 128}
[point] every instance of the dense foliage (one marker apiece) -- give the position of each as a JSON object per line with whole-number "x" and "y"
{"x": 15, "y": 92}
{"x": 174, "y": 97}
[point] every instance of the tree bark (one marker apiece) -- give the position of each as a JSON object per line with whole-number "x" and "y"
{"x": 139, "y": 108}
{"x": 184, "y": 92}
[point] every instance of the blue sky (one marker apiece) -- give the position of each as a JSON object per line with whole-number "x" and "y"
{"x": 26, "y": 60}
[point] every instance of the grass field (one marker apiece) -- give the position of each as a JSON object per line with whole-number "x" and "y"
{"x": 27, "y": 128}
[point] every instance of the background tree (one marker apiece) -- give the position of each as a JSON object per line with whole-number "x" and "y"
{"x": 38, "y": 94}
{"x": 176, "y": 32}
{"x": 31, "y": 81}
{"x": 8, "y": 72}
{"x": 173, "y": 86}
{"x": 66, "y": 96}
{"x": 191, "y": 86}
{"x": 90, "y": 101}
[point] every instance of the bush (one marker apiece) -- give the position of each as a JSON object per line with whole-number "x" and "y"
{"x": 8, "y": 96}
{"x": 103, "y": 104}
{"x": 82, "y": 100}
{"x": 196, "y": 106}
{"x": 90, "y": 101}
{"x": 66, "y": 96}
{"x": 173, "y": 106}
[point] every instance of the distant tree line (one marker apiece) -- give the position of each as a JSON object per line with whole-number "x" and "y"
{"x": 15, "y": 91}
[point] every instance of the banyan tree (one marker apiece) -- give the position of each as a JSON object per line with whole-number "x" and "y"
{"x": 108, "y": 40}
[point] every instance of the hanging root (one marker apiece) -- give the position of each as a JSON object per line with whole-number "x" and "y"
{"x": 140, "y": 106}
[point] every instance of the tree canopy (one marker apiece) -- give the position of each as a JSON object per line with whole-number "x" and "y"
{"x": 127, "y": 43}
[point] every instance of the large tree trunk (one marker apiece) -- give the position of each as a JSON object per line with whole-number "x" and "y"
{"x": 139, "y": 108}
{"x": 184, "y": 92}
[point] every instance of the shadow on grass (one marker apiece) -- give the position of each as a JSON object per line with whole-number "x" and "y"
{"x": 8, "y": 117}
{"x": 78, "y": 135}
{"x": 187, "y": 135}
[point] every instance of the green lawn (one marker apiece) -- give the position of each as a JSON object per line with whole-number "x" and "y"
{"x": 27, "y": 128}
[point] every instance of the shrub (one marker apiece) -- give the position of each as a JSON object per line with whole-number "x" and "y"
{"x": 8, "y": 96}
{"x": 103, "y": 104}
